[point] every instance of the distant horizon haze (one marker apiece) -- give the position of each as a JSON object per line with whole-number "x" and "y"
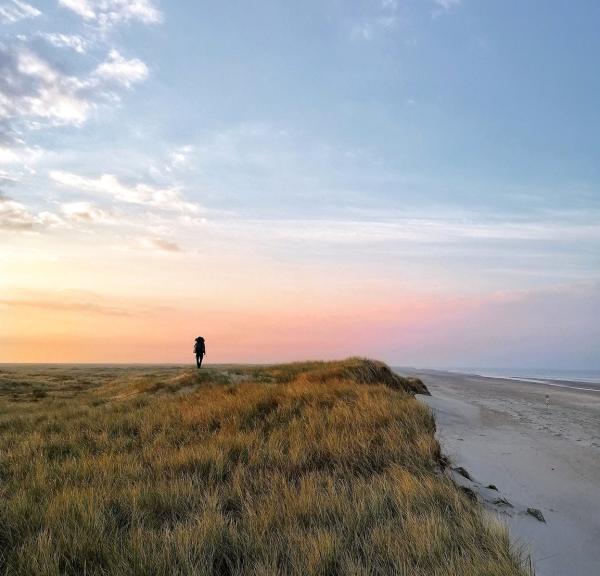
{"x": 575, "y": 375}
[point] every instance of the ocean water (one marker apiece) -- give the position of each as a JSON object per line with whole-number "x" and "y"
{"x": 588, "y": 376}
{"x": 588, "y": 380}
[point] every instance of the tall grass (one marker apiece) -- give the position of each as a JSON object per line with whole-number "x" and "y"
{"x": 303, "y": 469}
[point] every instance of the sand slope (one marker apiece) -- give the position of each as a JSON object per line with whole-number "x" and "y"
{"x": 537, "y": 455}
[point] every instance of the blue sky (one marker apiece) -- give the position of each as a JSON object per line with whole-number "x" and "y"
{"x": 447, "y": 148}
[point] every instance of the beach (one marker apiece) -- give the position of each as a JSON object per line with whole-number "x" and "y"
{"x": 537, "y": 443}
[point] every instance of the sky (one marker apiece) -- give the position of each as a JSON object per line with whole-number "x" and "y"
{"x": 411, "y": 180}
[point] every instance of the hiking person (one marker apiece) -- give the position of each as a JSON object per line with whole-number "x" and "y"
{"x": 199, "y": 350}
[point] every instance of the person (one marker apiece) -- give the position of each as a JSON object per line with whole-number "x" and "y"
{"x": 199, "y": 350}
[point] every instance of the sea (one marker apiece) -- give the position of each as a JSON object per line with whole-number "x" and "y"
{"x": 576, "y": 379}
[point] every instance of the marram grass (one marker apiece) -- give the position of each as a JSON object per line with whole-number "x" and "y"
{"x": 302, "y": 469}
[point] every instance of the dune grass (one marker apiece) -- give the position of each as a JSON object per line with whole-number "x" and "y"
{"x": 303, "y": 469}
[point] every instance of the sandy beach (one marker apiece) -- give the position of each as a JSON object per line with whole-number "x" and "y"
{"x": 538, "y": 452}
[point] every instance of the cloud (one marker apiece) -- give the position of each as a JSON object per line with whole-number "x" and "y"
{"x": 7, "y": 178}
{"x": 77, "y": 301}
{"x": 177, "y": 159}
{"x": 447, "y": 5}
{"x": 72, "y": 41}
{"x": 14, "y": 215}
{"x": 83, "y": 8}
{"x": 31, "y": 90}
{"x": 180, "y": 156}
{"x": 84, "y": 212}
{"x": 119, "y": 70}
{"x": 425, "y": 231}
{"x": 160, "y": 244}
{"x": 107, "y": 13}
{"x": 385, "y": 19}
{"x": 19, "y": 160}
{"x": 362, "y": 31}
{"x": 15, "y": 10}
{"x": 18, "y": 155}
{"x": 169, "y": 199}
{"x": 36, "y": 94}
{"x": 369, "y": 29}
{"x": 66, "y": 306}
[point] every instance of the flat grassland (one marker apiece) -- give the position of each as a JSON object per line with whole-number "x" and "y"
{"x": 304, "y": 469}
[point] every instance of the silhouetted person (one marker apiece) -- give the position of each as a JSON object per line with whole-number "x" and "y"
{"x": 199, "y": 350}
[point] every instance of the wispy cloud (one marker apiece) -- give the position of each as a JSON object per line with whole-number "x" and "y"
{"x": 79, "y": 302}
{"x": 385, "y": 18}
{"x": 423, "y": 231}
{"x": 72, "y": 41}
{"x": 14, "y": 215}
{"x": 17, "y": 161}
{"x": 176, "y": 160}
{"x": 159, "y": 244}
{"x": 66, "y": 305}
{"x": 32, "y": 91}
{"x": 170, "y": 199}
{"x": 84, "y": 212}
{"x": 18, "y": 154}
{"x": 107, "y": 13}
{"x": 179, "y": 158}
{"x": 7, "y": 178}
{"x": 40, "y": 92}
{"x": 15, "y": 10}
{"x": 120, "y": 70}
{"x": 447, "y": 5}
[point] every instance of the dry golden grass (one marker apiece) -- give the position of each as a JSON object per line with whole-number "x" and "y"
{"x": 303, "y": 469}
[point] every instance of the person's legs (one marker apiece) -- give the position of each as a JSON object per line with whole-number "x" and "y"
{"x": 198, "y": 360}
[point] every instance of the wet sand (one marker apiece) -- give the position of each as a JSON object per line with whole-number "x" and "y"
{"x": 538, "y": 453}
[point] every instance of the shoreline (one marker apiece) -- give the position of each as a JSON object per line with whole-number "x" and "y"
{"x": 539, "y": 455}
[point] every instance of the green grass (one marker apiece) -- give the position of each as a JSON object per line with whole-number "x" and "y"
{"x": 303, "y": 469}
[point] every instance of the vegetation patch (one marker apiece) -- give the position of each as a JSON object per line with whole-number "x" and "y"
{"x": 301, "y": 469}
